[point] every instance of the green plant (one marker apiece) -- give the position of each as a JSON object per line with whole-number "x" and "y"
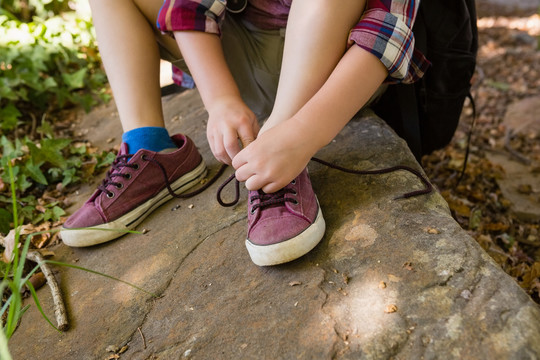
{"x": 25, "y": 10}
{"x": 48, "y": 61}
{"x": 37, "y": 165}
{"x": 14, "y": 279}
{"x": 46, "y": 65}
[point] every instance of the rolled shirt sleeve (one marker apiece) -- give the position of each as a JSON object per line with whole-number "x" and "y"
{"x": 385, "y": 30}
{"x": 194, "y": 15}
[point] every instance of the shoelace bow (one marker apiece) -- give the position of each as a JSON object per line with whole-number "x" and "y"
{"x": 267, "y": 199}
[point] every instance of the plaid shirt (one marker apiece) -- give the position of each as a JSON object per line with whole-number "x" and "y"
{"x": 385, "y": 29}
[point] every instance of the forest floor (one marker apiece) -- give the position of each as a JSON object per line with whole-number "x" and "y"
{"x": 498, "y": 199}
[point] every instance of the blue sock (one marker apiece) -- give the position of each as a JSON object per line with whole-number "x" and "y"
{"x": 148, "y": 138}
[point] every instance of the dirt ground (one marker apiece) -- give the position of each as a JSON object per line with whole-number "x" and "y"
{"x": 498, "y": 199}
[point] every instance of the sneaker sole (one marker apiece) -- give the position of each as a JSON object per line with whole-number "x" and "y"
{"x": 106, "y": 232}
{"x": 267, "y": 255}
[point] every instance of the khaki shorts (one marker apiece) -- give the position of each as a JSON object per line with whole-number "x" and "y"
{"x": 254, "y": 58}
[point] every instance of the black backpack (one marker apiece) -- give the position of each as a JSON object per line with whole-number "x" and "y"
{"x": 426, "y": 113}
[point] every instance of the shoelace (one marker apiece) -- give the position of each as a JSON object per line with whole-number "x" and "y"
{"x": 426, "y": 190}
{"x": 117, "y": 165}
{"x": 267, "y": 199}
{"x": 190, "y": 194}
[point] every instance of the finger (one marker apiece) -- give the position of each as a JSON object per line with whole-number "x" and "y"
{"x": 255, "y": 182}
{"x": 243, "y": 173}
{"x": 271, "y": 187}
{"x": 230, "y": 142}
{"x": 246, "y": 136}
{"x": 219, "y": 152}
{"x": 240, "y": 159}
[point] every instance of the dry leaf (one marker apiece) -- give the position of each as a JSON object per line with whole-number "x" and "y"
{"x": 390, "y": 309}
{"x": 8, "y": 242}
{"x": 382, "y": 285}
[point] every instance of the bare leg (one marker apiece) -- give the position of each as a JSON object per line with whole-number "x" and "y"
{"x": 315, "y": 41}
{"x": 128, "y": 47}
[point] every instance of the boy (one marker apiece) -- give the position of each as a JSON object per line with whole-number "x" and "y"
{"x": 306, "y": 66}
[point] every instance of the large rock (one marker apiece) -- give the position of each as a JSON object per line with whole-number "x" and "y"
{"x": 391, "y": 279}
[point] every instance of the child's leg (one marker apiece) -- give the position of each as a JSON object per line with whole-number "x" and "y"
{"x": 143, "y": 176}
{"x": 315, "y": 41}
{"x": 130, "y": 54}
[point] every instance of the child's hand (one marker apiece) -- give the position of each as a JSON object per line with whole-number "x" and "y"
{"x": 230, "y": 120}
{"x": 275, "y": 158}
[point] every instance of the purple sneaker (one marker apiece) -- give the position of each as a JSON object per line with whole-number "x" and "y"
{"x": 284, "y": 225}
{"x": 133, "y": 188}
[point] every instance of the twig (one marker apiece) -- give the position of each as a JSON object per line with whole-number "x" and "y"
{"x": 521, "y": 158}
{"x": 59, "y": 307}
{"x": 142, "y": 336}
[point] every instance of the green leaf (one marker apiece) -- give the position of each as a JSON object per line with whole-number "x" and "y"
{"x": 46, "y": 129}
{"x": 50, "y": 151}
{"x": 106, "y": 160}
{"x": 9, "y": 117}
{"x": 35, "y": 173}
{"x": 75, "y": 80}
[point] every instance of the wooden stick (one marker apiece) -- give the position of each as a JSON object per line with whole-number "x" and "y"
{"x": 59, "y": 307}
{"x": 142, "y": 336}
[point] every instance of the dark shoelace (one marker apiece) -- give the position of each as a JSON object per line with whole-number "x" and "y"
{"x": 267, "y": 200}
{"x": 279, "y": 196}
{"x": 120, "y": 162}
{"x": 426, "y": 190}
{"x": 190, "y": 194}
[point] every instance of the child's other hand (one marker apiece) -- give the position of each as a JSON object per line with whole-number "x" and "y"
{"x": 275, "y": 158}
{"x": 230, "y": 120}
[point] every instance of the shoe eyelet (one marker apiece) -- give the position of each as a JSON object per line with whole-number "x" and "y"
{"x": 294, "y": 193}
{"x": 127, "y": 176}
{"x": 119, "y": 186}
{"x": 295, "y": 202}
{"x": 144, "y": 158}
{"x": 252, "y": 211}
{"x": 135, "y": 166}
{"x": 110, "y": 195}
{"x": 293, "y": 182}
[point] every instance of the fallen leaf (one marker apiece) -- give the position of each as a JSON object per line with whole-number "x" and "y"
{"x": 8, "y": 242}
{"x": 390, "y": 309}
{"x": 525, "y": 189}
{"x": 496, "y": 227}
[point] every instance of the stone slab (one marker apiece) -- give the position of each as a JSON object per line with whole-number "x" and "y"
{"x": 442, "y": 297}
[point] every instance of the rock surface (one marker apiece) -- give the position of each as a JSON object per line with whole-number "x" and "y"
{"x": 391, "y": 278}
